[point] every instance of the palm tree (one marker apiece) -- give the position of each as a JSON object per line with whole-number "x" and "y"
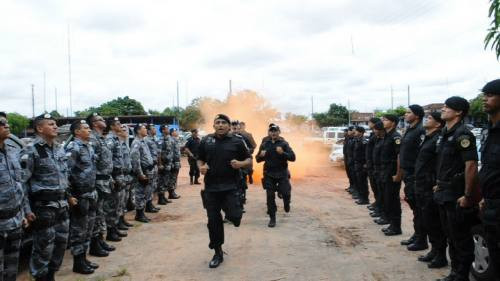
{"x": 492, "y": 39}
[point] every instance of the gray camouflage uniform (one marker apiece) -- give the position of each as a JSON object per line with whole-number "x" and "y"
{"x": 142, "y": 164}
{"x": 127, "y": 192}
{"x": 153, "y": 149}
{"x": 111, "y": 205}
{"x": 13, "y": 205}
{"x": 45, "y": 176}
{"x": 176, "y": 163}
{"x": 166, "y": 156}
{"x": 82, "y": 173}
{"x": 103, "y": 182}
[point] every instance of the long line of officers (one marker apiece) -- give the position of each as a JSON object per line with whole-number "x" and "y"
{"x": 437, "y": 161}
{"x": 76, "y": 196}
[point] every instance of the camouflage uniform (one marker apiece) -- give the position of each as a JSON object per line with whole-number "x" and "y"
{"x": 13, "y": 204}
{"x": 142, "y": 164}
{"x": 153, "y": 149}
{"x": 166, "y": 156}
{"x": 176, "y": 164}
{"x": 104, "y": 167}
{"x": 82, "y": 174}
{"x": 125, "y": 193}
{"x": 111, "y": 205}
{"x": 45, "y": 176}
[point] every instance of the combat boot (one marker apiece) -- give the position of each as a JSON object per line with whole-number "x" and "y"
{"x": 450, "y": 277}
{"x": 287, "y": 207}
{"x": 121, "y": 225}
{"x": 196, "y": 180}
{"x": 140, "y": 216}
{"x": 112, "y": 235}
{"x": 272, "y": 220}
{"x": 90, "y": 264}
{"x": 126, "y": 223}
{"x": 410, "y": 240}
{"x": 218, "y": 258}
{"x": 381, "y": 221}
{"x": 173, "y": 195}
{"x": 120, "y": 233}
{"x": 96, "y": 249}
{"x": 80, "y": 266}
{"x": 362, "y": 202}
{"x": 150, "y": 208}
{"x": 428, "y": 257}
{"x": 161, "y": 199}
{"x": 393, "y": 231}
{"x": 439, "y": 260}
{"x": 105, "y": 245}
{"x": 419, "y": 244}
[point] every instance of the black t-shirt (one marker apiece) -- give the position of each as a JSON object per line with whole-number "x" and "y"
{"x": 369, "y": 150}
{"x": 193, "y": 144}
{"x": 359, "y": 151}
{"x": 389, "y": 153}
{"x": 409, "y": 147}
{"x": 376, "y": 157}
{"x": 218, "y": 153}
{"x": 425, "y": 164}
{"x": 276, "y": 165}
{"x": 489, "y": 175}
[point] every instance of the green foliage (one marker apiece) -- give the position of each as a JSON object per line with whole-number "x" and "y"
{"x": 295, "y": 119}
{"x": 190, "y": 118}
{"x": 116, "y": 107}
{"x": 398, "y": 111}
{"x": 18, "y": 123}
{"x": 55, "y": 114}
{"x": 336, "y": 115}
{"x": 492, "y": 39}
{"x": 476, "y": 110}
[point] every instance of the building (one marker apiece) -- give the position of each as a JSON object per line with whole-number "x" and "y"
{"x": 433, "y": 107}
{"x": 361, "y": 118}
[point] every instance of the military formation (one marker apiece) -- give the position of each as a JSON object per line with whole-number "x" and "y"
{"x": 436, "y": 159}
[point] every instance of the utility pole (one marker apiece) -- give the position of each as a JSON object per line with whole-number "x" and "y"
{"x": 44, "y": 92}
{"x": 69, "y": 75}
{"x": 230, "y": 87}
{"x": 177, "y": 94}
{"x": 392, "y": 98}
{"x": 408, "y": 95}
{"x": 55, "y": 97}
{"x": 33, "y": 100}
{"x": 349, "y": 112}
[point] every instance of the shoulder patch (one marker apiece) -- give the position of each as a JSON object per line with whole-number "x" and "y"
{"x": 397, "y": 140}
{"x": 465, "y": 143}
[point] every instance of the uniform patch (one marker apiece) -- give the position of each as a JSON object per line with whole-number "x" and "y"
{"x": 465, "y": 143}
{"x": 397, "y": 141}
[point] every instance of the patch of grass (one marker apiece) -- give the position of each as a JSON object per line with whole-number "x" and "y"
{"x": 122, "y": 272}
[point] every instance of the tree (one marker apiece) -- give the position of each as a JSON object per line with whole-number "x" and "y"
{"x": 398, "y": 111}
{"x": 336, "y": 115}
{"x": 116, "y": 107}
{"x": 191, "y": 118}
{"x": 55, "y": 114}
{"x": 18, "y": 123}
{"x": 476, "y": 110}
{"x": 492, "y": 39}
{"x": 295, "y": 119}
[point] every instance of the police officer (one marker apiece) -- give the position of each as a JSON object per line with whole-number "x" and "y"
{"x": 407, "y": 155}
{"x": 191, "y": 149}
{"x": 235, "y": 130}
{"x": 456, "y": 179}
{"x": 46, "y": 181}
{"x": 249, "y": 137}
{"x": 380, "y": 207}
{"x": 349, "y": 161}
{"x": 111, "y": 203}
{"x": 124, "y": 194}
{"x": 276, "y": 152}
{"x": 425, "y": 180}
{"x": 389, "y": 174}
{"x": 176, "y": 164}
{"x": 489, "y": 176}
{"x": 150, "y": 140}
{"x": 104, "y": 165}
{"x": 359, "y": 157}
{"x": 14, "y": 205}
{"x": 165, "y": 146}
{"x": 82, "y": 173}
{"x": 221, "y": 155}
{"x": 143, "y": 169}
{"x": 369, "y": 163}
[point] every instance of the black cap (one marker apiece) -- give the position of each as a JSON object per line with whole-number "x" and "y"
{"x": 360, "y": 129}
{"x": 379, "y": 125}
{"x": 76, "y": 125}
{"x": 350, "y": 128}
{"x": 374, "y": 120}
{"x": 492, "y": 87}
{"x": 392, "y": 118}
{"x": 274, "y": 127}
{"x": 44, "y": 116}
{"x": 458, "y": 104}
{"x": 437, "y": 116}
{"x": 223, "y": 117}
{"x": 417, "y": 110}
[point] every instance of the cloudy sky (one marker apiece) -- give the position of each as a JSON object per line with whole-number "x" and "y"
{"x": 287, "y": 50}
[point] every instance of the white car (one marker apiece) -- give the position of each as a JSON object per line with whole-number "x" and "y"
{"x": 337, "y": 154}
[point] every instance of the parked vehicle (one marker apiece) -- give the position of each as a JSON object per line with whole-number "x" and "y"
{"x": 337, "y": 154}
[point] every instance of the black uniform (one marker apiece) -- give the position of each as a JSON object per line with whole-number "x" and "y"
{"x": 350, "y": 169}
{"x": 369, "y": 166}
{"x": 425, "y": 180}
{"x": 407, "y": 156}
{"x": 192, "y": 144}
{"x": 276, "y": 174}
{"x": 377, "y": 176}
{"x": 489, "y": 178}
{"x": 221, "y": 182}
{"x": 455, "y": 147}
{"x": 389, "y": 156}
{"x": 359, "y": 158}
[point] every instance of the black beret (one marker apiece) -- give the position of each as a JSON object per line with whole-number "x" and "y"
{"x": 417, "y": 110}
{"x": 223, "y": 117}
{"x": 360, "y": 129}
{"x": 374, "y": 120}
{"x": 492, "y": 87}
{"x": 274, "y": 127}
{"x": 350, "y": 128}
{"x": 379, "y": 125}
{"x": 392, "y": 118}
{"x": 437, "y": 116}
{"x": 44, "y": 116}
{"x": 458, "y": 104}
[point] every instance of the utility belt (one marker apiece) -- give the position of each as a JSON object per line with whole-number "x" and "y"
{"x": 76, "y": 191}
{"x": 49, "y": 216}
{"x": 102, "y": 177}
{"x": 9, "y": 213}
{"x": 46, "y": 196}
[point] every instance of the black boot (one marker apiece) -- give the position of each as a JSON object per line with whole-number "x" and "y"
{"x": 395, "y": 230}
{"x": 428, "y": 257}
{"x": 381, "y": 221}
{"x": 362, "y": 202}
{"x": 90, "y": 264}
{"x": 105, "y": 245}
{"x": 173, "y": 195}
{"x": 196, "y": 180}
{"x": 121, "y": 225}
{"x": 112, "y": 235}
{"x": 218, "y": 258}
{"x": 140, "y": 216}
{"x": 150, "y": 208}
{"x": 80, "y": 266}
{"x": 287, "y": 207}
{"x": 419, "y": 245}
{"x": 410, "y": 240}
{"x": 439, "y": 260}
{"x": 450, "y": 277}
{"x": 51, "y": 275}
{"x": 161, "y": 199}
{"x": 120, "y": 233}
{"x": 191, "y": 181}
{"x": 126, "y": 223}
{"x": 96, "y": 249}
{"x": 272, "y": 220}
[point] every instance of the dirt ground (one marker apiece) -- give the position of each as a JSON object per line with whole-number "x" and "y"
{"x": 324, "y": 237}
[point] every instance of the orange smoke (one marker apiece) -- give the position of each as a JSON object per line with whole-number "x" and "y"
{"x": 257, "y": 113}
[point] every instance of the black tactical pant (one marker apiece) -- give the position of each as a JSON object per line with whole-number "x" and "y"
{"x": 392, "y": 201}
{"x": 410, "y": 198}
{"x": 431, "y": 224}
{"x": 194, "y": 171}
{"x": 457, "y": 223}
{"x": 10, "y": 244}
{"x": 380, "y": 199}
{"x": 273, "y": 185}
{"x": 491, "y": 222}
{"x": 352, "y": 178}
{"x": 361, "y": 181}
{"x": 215, "y": 202}
{"x": 373, "y": 185}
